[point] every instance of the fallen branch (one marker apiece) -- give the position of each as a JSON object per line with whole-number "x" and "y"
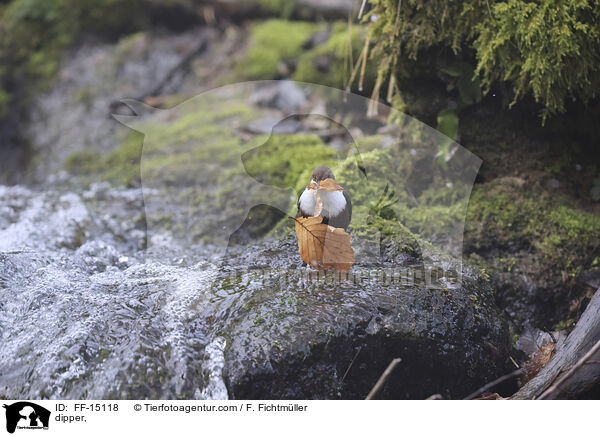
{"x": 570, "y": 373}
{"x": 566, "y": 376}
{"x": 383, "y": 378}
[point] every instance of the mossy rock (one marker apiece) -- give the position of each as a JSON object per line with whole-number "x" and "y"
{"x": 534, "y": 245}
{"x": 291, "y": 332}
{"x": 504, "y": 214}
{"x": 272, "y": 43}
{"x": 284, "y": 157}
{"x": 396, "y": 244}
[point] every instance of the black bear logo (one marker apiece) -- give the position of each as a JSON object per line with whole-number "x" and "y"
{"x": 26, "y": 414}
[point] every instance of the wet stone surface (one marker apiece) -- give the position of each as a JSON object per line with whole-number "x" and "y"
{"x": 84, "y": 315}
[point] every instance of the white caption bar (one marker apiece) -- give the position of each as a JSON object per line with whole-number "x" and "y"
{"x": 293, "y": 417}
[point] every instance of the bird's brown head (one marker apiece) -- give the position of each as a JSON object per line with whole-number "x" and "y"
{"x": 321, "y": 173}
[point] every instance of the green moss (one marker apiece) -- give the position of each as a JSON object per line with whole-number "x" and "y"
{"x": 369, "y": 143}
{"x": 283, "y": 159}
{"x": 82, "y": 162}
{"x": 503, "y": 216}
{"x": 4, "y": 101}
{"x": 564, "y": 325}
{"x": 272, "y": 42}
{"x": 172, "y": 150}
{"x": 544, "y": 49}
{"x": 395, "y": 239}
{"x": 122, "y": 165}
{"x": 126, "y": 47}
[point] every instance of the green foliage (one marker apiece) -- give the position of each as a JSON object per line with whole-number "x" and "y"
{"x": 420, "y": 25}
{"x": 34, "y": 32}
{"x": 327, "y": 63}
{"x": 564, "y": 324}
{"x": 447, "y": 123}
{"x": 469, "y": 87}
{"x": 122, "y": 166}
{"x": 547, "y": 49}
{"x": 436, "y": 209}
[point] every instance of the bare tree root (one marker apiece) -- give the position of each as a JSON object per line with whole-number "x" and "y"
{"x": 388, "y": 371}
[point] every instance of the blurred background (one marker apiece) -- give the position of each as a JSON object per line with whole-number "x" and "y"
{"x": 516, "y": 83}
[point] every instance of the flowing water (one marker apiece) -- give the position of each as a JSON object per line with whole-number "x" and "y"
{"x": 82, "y": 316}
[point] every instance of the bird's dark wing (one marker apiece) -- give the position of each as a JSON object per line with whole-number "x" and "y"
{"x": 348, "y": 208}
{"x": 299, "y": 212}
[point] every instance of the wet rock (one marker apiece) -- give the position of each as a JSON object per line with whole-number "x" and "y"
{"x": 590, "y": 278}
{"x": 274, "y": 125}
{"x": 316, "y": 39}
{"x": 285, "y": 96}
{"x": 296, "y": 336}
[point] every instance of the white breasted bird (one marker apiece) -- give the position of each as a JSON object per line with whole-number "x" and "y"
{"x": 337, "y": 207}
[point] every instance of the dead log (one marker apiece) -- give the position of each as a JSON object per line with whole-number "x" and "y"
{"x": 567, "y": 375}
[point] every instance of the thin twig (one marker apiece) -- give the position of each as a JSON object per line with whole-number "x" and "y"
{"x": 412, "y": 197}
{"x": 372, "y": 110}
{"x": 348, "y": 62}
{"x": 364, "y": 66}
{"x": 351, "y": 363}
{"x": 356, "y": 67}
{"x": 570, "y": 372}
{"x": 362, "y": 8}
{"x": 513, "y": 361}
{"x": 392, "y": 83}
{"x": 491, "y": 384}
{"x": 397, "y": 19}
{"x": 383, "y": 378}
{"x": 489, "y": 9}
